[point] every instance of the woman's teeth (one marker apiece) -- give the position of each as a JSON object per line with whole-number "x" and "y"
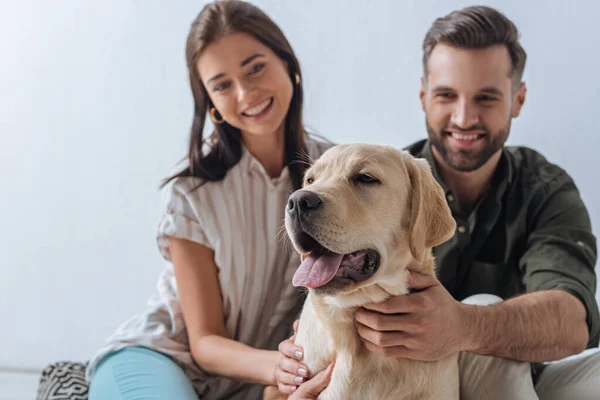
{"x": 258, "y": 108}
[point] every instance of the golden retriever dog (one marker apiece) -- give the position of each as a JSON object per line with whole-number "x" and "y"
{"x": 366, "y": 214}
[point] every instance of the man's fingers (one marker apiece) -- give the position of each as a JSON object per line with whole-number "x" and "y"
{"x": 408, "y": 303}
{"x": 313, "y": 387}
{"x": 409, "y": 323}
{"x": 402, "y": 304}
{"x": 412, "y": 303}
{"x": 421, "y": 281}
{"x": 383, "y": 339}
{"x": 394, "y": 351}
{"x": 380, "y": 322}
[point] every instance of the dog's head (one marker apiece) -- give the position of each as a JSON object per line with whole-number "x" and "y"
{"x": 364, "y": 214}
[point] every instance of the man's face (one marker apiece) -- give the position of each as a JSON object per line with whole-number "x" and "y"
{"x": 469, "y": 100}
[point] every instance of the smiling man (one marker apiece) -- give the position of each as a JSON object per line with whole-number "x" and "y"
{"x": 517, "y": 281}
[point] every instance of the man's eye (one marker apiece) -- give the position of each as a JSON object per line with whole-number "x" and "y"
{"x": 446, "y": 95}
{"x": 364, "y": 178}
{"x": 486, "y": 98}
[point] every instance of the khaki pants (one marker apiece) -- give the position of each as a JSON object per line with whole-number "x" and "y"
{"x": 490, "y": 378}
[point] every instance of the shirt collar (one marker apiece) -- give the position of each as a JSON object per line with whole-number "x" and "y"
{"x": 253, "y": 165}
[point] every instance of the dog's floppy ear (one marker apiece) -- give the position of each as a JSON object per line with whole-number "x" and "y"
{"x": 431, "y": 221}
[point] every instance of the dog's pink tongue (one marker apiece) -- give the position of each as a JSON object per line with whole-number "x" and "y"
{"x": 316, "y": 271}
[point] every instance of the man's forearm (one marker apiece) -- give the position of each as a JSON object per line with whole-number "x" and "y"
{"x": 535, "y": 327}
{"x": 226, "y": 357}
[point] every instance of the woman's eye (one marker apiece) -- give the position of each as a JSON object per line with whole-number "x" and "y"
{"x": 221, "y": 86}
{"x": 256, "y": 68}
{"x": 364, "y": 178}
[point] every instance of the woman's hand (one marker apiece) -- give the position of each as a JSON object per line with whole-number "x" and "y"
{"x": 289, "y": 371}
{"x": 311, "y": 389}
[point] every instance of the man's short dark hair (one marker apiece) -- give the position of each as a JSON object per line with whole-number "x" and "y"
{"x": 475, "y": 28}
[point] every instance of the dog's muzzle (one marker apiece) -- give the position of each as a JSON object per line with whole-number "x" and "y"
{"x": 302, "y": 204}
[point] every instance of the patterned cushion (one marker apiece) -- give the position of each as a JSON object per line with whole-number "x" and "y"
{"x": 63, "y": 381}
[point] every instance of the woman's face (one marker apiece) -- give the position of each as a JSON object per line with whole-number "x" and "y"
{"x": 248, "y": 84}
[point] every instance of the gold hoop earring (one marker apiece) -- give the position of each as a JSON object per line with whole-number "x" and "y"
{"x": 213, "y": 117}
{"x": 298, "y": 81}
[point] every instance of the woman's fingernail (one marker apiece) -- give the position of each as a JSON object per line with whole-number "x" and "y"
{"x": 299, "y": 379}
{"x": 298, "y": 355}
{"x": 302, "y": 371}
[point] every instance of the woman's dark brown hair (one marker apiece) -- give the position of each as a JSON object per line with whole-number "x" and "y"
{"x": 215, "y": 21}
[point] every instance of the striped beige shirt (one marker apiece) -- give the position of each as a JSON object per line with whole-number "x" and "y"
{"x": 241, "y": 219}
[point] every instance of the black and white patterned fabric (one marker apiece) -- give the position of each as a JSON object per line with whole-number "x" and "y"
{"x": 63, "y": 381}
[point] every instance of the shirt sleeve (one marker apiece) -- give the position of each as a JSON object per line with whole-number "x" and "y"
{"x": 180, "y": 216}
{"x": 561, "y": 249}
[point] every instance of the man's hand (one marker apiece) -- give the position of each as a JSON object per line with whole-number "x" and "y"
{"x": 426, "y": 325}
{"x": 289, "y": 372}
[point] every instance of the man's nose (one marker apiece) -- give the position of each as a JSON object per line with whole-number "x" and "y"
{"x": 465, "y": 114}
{"x": 302, "y": 203}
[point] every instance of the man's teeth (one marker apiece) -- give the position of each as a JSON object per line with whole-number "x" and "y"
{"x": 258, "y": 109}
{"x": 464, "y": 137}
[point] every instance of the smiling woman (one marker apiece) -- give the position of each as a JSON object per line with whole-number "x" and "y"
{"x": 244, "y": 73}
{"x": 225, "y": 300}
{"x": 260, "y": 111}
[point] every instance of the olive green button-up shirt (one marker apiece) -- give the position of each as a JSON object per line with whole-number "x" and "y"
{"x": 530, "y": 232}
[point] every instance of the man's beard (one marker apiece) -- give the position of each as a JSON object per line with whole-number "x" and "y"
{"x": 467, "y": 160}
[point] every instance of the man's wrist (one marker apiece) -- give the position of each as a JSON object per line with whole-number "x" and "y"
{"x": 468, "y": 326}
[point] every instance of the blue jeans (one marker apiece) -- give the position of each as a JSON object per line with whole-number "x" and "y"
{"x": 137, "y": 373}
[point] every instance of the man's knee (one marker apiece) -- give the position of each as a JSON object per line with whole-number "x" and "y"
{"x": 575, "y": 377}
{"x": 494, "y": 378}
{"x": 482, "y": 299}
{"x": 487, "y": 377}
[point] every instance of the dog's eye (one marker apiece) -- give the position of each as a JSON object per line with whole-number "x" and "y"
{"x": 309, "y": 181}
{"x": 364, "y": 178}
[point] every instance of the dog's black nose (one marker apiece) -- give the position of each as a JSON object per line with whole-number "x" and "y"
{"x": 302, "y": 202}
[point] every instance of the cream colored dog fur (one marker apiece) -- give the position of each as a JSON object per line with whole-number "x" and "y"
{"x": 380, "y": 199}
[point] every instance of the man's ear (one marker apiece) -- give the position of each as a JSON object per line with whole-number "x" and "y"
{"x": 519, "y": 99}
{"x": 422, "y": 93}
{"x": 431, "y": 221}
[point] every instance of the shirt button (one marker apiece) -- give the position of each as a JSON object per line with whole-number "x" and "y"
{"x": 580, "y": 243}
{"x": 450, "y": 197}
{"x": 462, "y": 229}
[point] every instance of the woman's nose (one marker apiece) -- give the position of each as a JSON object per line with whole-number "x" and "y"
{"x": 244, "y": 90}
